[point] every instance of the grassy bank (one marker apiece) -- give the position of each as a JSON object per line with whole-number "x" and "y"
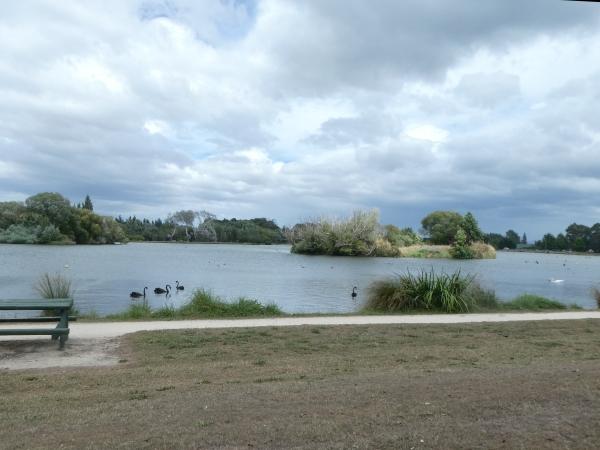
{"x": 509, "y": 385}
{"x": 203, "y": 305}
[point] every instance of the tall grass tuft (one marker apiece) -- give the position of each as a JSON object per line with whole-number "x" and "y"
{"x": 53, "y": 286}
{"x": 425, "y": 291}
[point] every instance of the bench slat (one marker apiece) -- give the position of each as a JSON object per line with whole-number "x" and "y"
{"x": 32, "y": 304}
{"x": 33, "y": 331}
{"x": 35, "y": 319}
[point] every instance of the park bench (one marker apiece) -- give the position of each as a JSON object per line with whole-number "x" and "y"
{"x": 60, "y": 306}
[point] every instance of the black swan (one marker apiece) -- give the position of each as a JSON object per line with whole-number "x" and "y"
{"x": 354, "y": 294}
{"x": 135, "y": 294}
{"x": 179, "y": 288}
{"x": 162, "y": 291}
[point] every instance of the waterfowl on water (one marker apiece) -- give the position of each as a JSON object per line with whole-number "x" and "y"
{"x": 135, "y": 294}
{"x": 354, "y": 294}
{"x": 178, "y": 286}
{"x": 162, "y": 291}
{"x": 554, "y": 280}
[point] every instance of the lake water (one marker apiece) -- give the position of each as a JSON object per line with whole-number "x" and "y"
{"x": 103, "y": 276}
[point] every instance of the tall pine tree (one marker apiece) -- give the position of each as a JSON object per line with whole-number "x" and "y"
{"x": 87, "y": 203}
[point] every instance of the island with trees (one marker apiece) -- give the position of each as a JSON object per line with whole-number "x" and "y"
{"x": 51, "y": 218}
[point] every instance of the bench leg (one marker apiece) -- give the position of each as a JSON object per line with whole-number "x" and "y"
{"x": 63, "y": 339}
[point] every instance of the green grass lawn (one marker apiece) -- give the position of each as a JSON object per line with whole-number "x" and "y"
{"x": 502, "y": 385}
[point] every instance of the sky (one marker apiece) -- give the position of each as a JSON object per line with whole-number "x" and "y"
{"x": 294, "y": 110}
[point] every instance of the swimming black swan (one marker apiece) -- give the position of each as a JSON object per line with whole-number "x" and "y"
{"x": 135, "y": 294}
{"x": 179, "y": 288}
{"x": 354, "y": 294}
{"x": 162, "y": 291}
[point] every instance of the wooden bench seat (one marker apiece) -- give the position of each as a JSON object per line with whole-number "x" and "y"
{"x": 61, "y": 307}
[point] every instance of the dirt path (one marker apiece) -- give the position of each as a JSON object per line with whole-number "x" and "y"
{"x": 94, "y": 344}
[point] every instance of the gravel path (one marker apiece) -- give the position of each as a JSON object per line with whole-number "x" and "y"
{"x": 95, "y": 343}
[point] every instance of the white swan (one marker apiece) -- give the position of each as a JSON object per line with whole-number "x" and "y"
{"x": 554, "y": 280}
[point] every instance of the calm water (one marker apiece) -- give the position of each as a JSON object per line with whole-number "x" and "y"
{"x": 103, "y": 276}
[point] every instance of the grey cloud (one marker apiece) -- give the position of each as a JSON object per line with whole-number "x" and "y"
{"x": 488, "y": 90}
{"x": 372, "y": 46}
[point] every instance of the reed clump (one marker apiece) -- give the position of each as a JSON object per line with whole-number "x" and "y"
{"x": 448, "y": 293}
{"x": 53, "y": 286}
{"x": 425, "y": 291}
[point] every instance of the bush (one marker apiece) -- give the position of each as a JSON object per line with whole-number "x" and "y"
{"x": 460, "y": 249}
{"x": 401, "y": 237}
{"x": 19, "y": 234}
{"x": 355, "y": 236}
{"x": 55, "y": 286}
{"x": 480, "y": 250}
{"x": 424, "y": 291}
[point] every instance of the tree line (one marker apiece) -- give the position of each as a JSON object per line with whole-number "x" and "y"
{"x": 202, "y": 226}
{"x": 49, "y": 217}
{"x": 577, "y": 238}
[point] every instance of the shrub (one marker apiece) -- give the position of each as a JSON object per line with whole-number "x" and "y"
{"x": 355, "y": 236}
{"x": 460, "y": 248}
{"x": 401, "y": 237}
{"x": 53, "y": 286}
{"x": 424, "y": 291}
{"x": 19, "y": 234}
{"x": 384, "y": 247}
{"x": 480, "y": 250}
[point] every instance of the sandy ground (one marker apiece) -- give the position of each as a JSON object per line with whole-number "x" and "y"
{"x": 95, "y": 344}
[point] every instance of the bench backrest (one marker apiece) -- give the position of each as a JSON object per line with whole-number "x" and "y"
{"x": 35, "y": 304}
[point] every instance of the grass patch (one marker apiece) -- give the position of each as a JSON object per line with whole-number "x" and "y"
{"x": 203, "y": 305}
{"x": 426, "y": 251}
{"x": 459, "y": 385}
{"x": 479, "y": 250}
{"x": 530, "y": 302}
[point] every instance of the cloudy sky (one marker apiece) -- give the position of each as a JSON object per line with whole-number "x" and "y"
{"x": 294, "y": 109}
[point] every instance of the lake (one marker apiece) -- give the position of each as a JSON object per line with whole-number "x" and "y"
{"x": 103, "y": 276}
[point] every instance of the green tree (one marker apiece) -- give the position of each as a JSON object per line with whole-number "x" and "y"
{"x": 441, "y": 226}
{"x": 87, "y": 203}
{"x": 471, "y": 228}
{"x": 512, "y": 239}
{"x": 460, "y": 246}
{"x": 55, "y": 208}
{"x": 400, "y": 237}
{"x": 578, "y": 236}
{"x": 524, "y": 239}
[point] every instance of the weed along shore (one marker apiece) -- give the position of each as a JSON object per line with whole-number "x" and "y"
{"x": 316, "y": 386}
